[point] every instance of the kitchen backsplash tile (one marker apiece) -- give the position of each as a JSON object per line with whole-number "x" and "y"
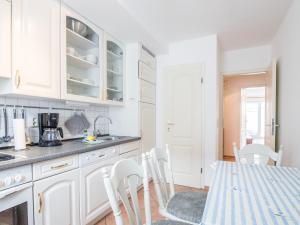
{"x": 31, "y": 114}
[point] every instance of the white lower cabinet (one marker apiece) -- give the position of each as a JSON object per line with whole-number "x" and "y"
{"x": 56, "y": 199}
{"x": 94, "y": 201}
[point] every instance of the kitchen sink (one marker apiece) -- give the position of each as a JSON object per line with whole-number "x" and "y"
{"x": 103, "y": 139}
{"x": 110, "y": 138}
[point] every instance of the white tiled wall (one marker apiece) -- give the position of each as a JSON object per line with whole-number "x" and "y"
{"x": 91, "y": 113}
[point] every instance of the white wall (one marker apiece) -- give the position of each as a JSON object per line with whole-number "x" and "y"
{"x": 247, "y": 60}
{"x": 203, "y": 50}
{"x": 286, "y": 48}
{"x": 90, "y": 111}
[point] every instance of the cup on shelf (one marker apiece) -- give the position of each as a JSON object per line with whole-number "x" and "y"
{"x": 71, "y": 51}
{"x": 91, "y": 58}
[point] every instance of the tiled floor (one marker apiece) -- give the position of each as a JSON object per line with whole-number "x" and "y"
{"x": 109, "y": 219}
{"x": 229, "y": 158}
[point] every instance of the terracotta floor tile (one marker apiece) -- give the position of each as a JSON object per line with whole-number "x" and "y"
{"x": 110, "y": 220}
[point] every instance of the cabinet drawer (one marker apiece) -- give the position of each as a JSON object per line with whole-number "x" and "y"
{"x": 55, "y": 166}
{"x": 147, "y": 92}
{"x": 148, "y": 59}
{"x": 146, "y": 73}
{"x": 128, "y": 147}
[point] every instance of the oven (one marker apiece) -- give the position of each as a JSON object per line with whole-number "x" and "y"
{"x": 16, "y": 198}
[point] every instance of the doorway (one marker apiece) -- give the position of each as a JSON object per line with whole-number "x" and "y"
{"x": 244, "y": 98}
{"x": 253, "y": 115}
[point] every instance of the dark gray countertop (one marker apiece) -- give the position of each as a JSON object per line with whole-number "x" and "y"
{"x": 35, "y": 154}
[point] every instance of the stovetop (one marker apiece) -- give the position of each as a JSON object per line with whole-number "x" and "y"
{"x": 5, "y": 157}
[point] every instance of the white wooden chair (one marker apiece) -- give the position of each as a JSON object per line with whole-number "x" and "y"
{"x": 125, "y": 177}
{"x": 257, "y": 154}
{"x": 187, "y": 207}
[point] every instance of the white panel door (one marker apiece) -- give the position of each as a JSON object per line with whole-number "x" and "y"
{"x": 36, "y": 47}
{"x": 56, "y": 199}
{"x": 5, "y": 38}
{"x": 94, "y": 200}
{"x": 271, "y": 98}
{"x": 183, "y": 117}
{"x": 147, "y": 113}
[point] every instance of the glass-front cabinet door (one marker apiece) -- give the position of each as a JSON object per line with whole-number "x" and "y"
{"x": 81, "y": 59}
{"x": 114, "y": 71}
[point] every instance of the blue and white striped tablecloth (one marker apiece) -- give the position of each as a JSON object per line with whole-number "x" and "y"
{"x": 253, "y": 195}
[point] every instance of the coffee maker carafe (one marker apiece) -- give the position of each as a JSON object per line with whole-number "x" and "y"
{"x": 49, "y": 133}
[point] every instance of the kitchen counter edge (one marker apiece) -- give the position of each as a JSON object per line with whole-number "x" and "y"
{"x": 21, "y": 160}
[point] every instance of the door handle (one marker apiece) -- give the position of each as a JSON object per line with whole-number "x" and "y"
{"x": 10, "y": 191}
{"x": 59, "y": 166}
{"x": 274, "y": 125}
{"x": 17, "y": 78}
{"x": 41, "y": 202}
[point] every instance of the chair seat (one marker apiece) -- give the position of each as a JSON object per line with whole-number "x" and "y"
{"x": 188, "y": 206}
{"x": 169, "y": 222}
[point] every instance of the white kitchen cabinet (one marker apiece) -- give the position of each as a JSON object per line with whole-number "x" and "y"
{"x": 114, "y": 79}
{"x": 35, "y": 49}
{"x": 56, "y": 199}
{"x": 148, "y": 58}
{"x": 81, "y": 58}
{"x": 5, "y": 39}
{"x": 147, "y": 92}
{"x": 94, "y": 201}
{"x": 147, "y": 73}
{"x": 148, "y": 120}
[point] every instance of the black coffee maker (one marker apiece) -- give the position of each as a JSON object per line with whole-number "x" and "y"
{"x": 49, "y": 133}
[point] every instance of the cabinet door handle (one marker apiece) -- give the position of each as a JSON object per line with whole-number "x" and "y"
{"x": 17, "y": 78}
{"x": 59, "y": 166}
{"x": 41, "y": 202}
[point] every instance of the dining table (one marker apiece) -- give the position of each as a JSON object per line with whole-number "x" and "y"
{"x": 250, "y": 194}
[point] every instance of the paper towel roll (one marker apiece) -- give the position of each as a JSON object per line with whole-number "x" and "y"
{"x": 19, "y": 134}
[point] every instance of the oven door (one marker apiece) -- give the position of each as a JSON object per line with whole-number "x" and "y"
{"x": 16, "y": 205}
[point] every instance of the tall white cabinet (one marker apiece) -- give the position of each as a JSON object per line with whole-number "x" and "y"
{"x": 35, "y": 49}
{"x": 138, "y": 118}
{"x": 147, "y": 81}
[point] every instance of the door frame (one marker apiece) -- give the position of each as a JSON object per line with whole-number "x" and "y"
{"x": 202, "y": 113}
{"x": 221, "y": 97}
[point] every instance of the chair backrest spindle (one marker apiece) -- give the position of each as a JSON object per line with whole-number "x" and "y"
{"x": 124, "y": 180}
{"x": 257, "y": 154}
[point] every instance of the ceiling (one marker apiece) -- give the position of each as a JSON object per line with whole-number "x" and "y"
{"x": 238, "y": 23}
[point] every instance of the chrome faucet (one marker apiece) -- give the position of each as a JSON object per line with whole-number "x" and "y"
{"x": 95, "y": 133}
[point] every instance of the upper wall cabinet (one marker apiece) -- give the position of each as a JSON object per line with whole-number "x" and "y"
{"x": 114, "y": 56}
{"x": 35, "y": 49}
{"x": 81, "y": 58}
{"x": 5, "y": 38}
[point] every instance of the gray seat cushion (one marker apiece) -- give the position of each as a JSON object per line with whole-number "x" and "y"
{"x": 188, "y": 206}
{"x": 169, "y": 222}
